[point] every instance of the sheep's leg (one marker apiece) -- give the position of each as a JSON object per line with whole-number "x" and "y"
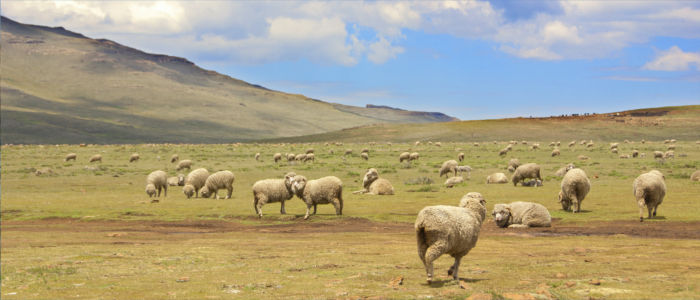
{"x": 257, "y": 205}
{"x": 640, "y": 203}
{"x": 282, "y": 211}
{"x": 649, "y": 208}
{"x": 576, "y": 205}
{"x": 655, "y": 210}
{"x": 315, "y": 208}
{"x": 308, "y": 208}
{"x": 454, "y": 269}
{"x": 165, "y": 189}
{"x": 338, "y": 207}
{"x": 432, "y": 253}
{"x": 229, "y": 192}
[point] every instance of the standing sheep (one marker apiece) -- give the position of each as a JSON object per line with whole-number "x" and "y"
{"x": 310, "y": 157}
{"x": 669, "y": 154}
{"x": 372, "y": 184}
{"x": 452, "y": 181}
{"x": 184, "y": 164}
{"x": 453, "y": 230}
{"x": 178, "y": 180}
{"x": 530, "y": 170}
{"x": 96, "y": 157}
{"x": 404, "y": 156}
{"x": 695, "y": 176}
{"x": 324, "y": 190}
{"x": 70, "y": 156}
{"x": 290, "y": 157}
{"x": 194, "y": 181}
{"x": 555, "y": 152}
{"x": 562, "y": 171}
{"x": 650, "y": 190}
{"x": 300, "y": 157}
{"x": 496, "y": 178}
{"x": 257, "y": 156}
{"x": 364, "y": 155}
{"x": 174, "y": 158}
{"x": 348, "y": 151}
{"x": 460, "y": 156}
{"x": 449, "y": 166}
{"x": 216, "y": 181}
{"x": 513, "y": 164}
{"x": 574, "y": 188}
{"x": 521, "y": 215}
{"x": 413, "y": 156}
{"x": 635, "y": 153}
{"x": 134, "y": 157}
{"x": 157, "y": 181}
{"x": 572, "y": 143}
{"x": 277, "y": 157}
{"x": 658, "y": 154}
{"x": 310, "y": 151}
{"x": 272, "y": 190}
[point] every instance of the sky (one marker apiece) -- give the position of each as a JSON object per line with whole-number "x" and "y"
{"x": 468, "y": 59}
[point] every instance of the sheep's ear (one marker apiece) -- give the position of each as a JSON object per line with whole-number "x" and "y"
{"x": 482, "y": 201}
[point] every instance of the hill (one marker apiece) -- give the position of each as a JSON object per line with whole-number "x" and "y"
{"x": 59, "y": 86}
{"x": 679, "y": 122}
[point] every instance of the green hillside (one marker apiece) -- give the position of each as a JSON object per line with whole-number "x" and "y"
{"x": 62, "y": 87}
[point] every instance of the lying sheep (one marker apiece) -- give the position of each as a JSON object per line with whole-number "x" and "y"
{"x": 413, "y": 156}
{"x": 452, "y": 181}
{"x": 496, "y": 178}
{"x": 532, "y": 183}
{"x": 521, "y": 215}
{"x": 583, "y": 157}
{"x": 467, "y": 169}
{"x": 178, "y": 180}
{"x": 364, "y": 155}
{"x": 614, "y": 145}
{"x": 529, "y": 170}
{"x": 671, "y": 147}
{"x": 614, "y": 150}
{"x": 448, "y": 167}
{"x": 194, "y": 181}
{"x": 555, "y": 152}
{"x": 134, "y": 157}
{"x": 184, "y": 164}
{"x": 562, "y": 171}
{"x": 174, "y": 158}
{"x": 513, "y": 164}
{"x": 453, "y": 230}
{"x": 460, "y": 156}
{"x": 43, "y": 171}
{"x": 476, "y": 144}
{"x": 372, "y": 184}
{"x": 272, "y": 190}
{"x": 695, "y": 176}
{"x": 216, "y": 181}
{"x": 574, "y": 188}
{"x": 324, "y": 190}
{"x": 624, "y": 156}
{"x": 70, "y": 156}
{"x": 157, "y": 181}
{"x": 277, "y": 157}
{"x": 96, "y": 157}
{"x": 404, "y": 156}
{"x": 649, "y": 189}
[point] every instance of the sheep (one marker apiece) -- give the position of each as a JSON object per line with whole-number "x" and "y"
{"x": 649, "y": 189}
{"x": 614, "y": 150}
{"x": 476, "y": 144}
{"x": 642, "y": 155}
{"x": 257, "y": 156}
{"x": 184, "y": 164}
{"x": 413, "y": 156}
{"x": 272, "y": 190}
{"x": 216, "y": 181}
{"x": 157, "y": 181}
{"x": 300, "y": 157}
{"x": 324, "y": 190}
{"x": 643, "y": 141}
{"x": 364, "y": 150}
{"x": 438, "y": 144}
{"x": 614, "y": 145}
{"x": 310, "y": 151}
{"x": 43, "y": 171}
{"x": 70, "y": 156}
{"x": 535, "y": 146}
{"x": 624, "y": 156}
{"x": 695, "y": 176}
{"x": 96, "y": 157}
{"x": 673, "y": 141}
{"x": 574, "y": 188}
{"x": 658, "y": 154}
{"x": 460, "y": 156}
{"x": 496, "y": 178}
{"x": 529, "y": 170}
{"x": 503, "y": 152}
{"x": 583, "y": 157}
{"x": 447, "y": 167}
{"x": 416, "y": 143}
{"x": 669, "y": 154}
{"x": 277, "y": 157}
{"x": 134, "y": 157}
{"x": 590, "y": 145}
{"x": 558, "y": 143}
{"x": 562, "y": 171}
{"x": 521, "y": 215}
{"x": 364, "y": 155}
{"x": 372, "y": 184}
{"x": 555, "y": 152}
{"x": 513, "y": 164}
{"x": 194, "y": 181}
{"x": 291, "y": 157}
{"x": 573, "y": 143}
{"x": 452, "y": 181}
{"x": 404, "y": 156}
{"x": 453, "y": 230}
{"x": 174, "y": 158}
{"x": 552, "y": 144}
{"x": 635, "y": 153}
{"x": 178, "y": 180}
{"x": 467, "y": 169}
{"x": 533, "y": 182}
{"x": 310, "y": 157}
{"x": 348, "y": 151}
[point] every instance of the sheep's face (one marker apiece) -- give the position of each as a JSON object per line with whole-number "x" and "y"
{"x": 150, "y": 190}
{"x": 288, "y": 179}
{"x": 565, "y": 203}
{"x": 298, "y": 184}
{"x": 188, "y": 190}
{"x": 204, "y": 192}
{"x": 370, "y": 177}
{"x": 501, "y": 214}
{"x": 180, "y": 180}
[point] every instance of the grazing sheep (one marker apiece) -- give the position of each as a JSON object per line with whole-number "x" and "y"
{"x": 496, "y": 178}
{"x": 216, "y": 181}
{"x": 669, "y": 154}
{"x": 453, "y": 230}
{"x": 309, "y": 151}
{"x": 555, "y": 152}
{"x": 310, "y": 157}
{"x": 348, "y": 151}
{"x": 452, "y": 181}
{"x": 658, "y": 154}
{"x": 174, "y": 158}
{"x": 364, "y": 150}
{"x": 438, "y": 144}
{"x": 184, "y": 164}
{"x": 96, "y": 157}
{"x": 513, "y": 164}
{"x": 272, "y": 190}
{"x": 614, "y": 145}
{"x": 590, "y": 145}
{"x": 503, "y": 152}
{"x": 467, "y": 169}
{"x": 448, "y": 167}
{"x": 673, "y": 141}
{"x": 372, "y": 184}
{"x": 413, "y": 156}
{"x": 573, "y": 143}
{"x": 291, "y": 157}
{"x": 643, "y": 141}
{"x": 535, "y": 146}
{"x": 574, "y": 188}
{"x": 695, "y": 176}
{"x": 533, "y": 183}
{"x": 300, "y": 157}
{"x": 194, "y": 181}
{"x": 552, "y": 144}
{"x": 562, "y": 171}
{"x": 257, "y": 156}
{"x": 324, "y": 190}
{"x": 178, "y": 180}
{"x": 70, "y": 156}
{"x": 529, "y": 170}
{"x": 404, "y": 156}
{"x": 460, "y": 156}
{"x": 521, "y": 215}
{"x": 614, "y": 150}
{"x": 649, "y": 189}
{"x": 157, "y": 181}
{"x": 277, "y": 157}
{"x": 558, "y": 143}
{"x": 134, "y": 157}
{"x": 642, "y": 155}
{"x": 635, "y": 153}
{"x": 364, "y": 155}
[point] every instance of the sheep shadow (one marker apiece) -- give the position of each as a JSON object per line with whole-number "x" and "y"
{"x": 583, "y": 211}
{"x": 450, "y": 281}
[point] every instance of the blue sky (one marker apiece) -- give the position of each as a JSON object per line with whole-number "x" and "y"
{"x": 469, "y": 59}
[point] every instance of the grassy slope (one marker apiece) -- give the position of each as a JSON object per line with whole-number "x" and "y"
{"x": 60, "y": 87}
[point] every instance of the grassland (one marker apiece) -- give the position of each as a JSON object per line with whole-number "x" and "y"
{"x": 89, "y": 230}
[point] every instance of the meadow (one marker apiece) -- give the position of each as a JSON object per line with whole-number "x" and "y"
{"x": 88, "y": 230}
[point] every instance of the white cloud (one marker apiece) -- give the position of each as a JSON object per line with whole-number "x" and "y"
{"x": 382, "y": 51}
{"x": 674, "y": 59}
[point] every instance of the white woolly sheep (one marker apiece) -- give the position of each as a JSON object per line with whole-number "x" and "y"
{"x": 184, "y": 164}
{"x": 453, "y": 230}
{"x": 562, "y": 171}
{"x": 452, "y": 181}
{"x": 216, "y": 181}
{"x": 658, "y": 154}
{"x": 669, "y": 154}
{"x": 460, "y": 156}
{"x": 404, "y": 156}
{"x": 614, "y": 145}
{"x": 291, "y": 157}
{"x": 695, "y": 176}
{"x": 272, "y": 190}
{"x": 309, "y": 151}
{"x": 257, "y": 156}
{"x": 157, "y": 181}
{"x": 535, "y": 146}
{"x": 503, "y": 152}
{"x": 496, "y": 178}
{"x": 555, "y": 152}
{"x": 300, "y": 157}
{"x": 364, "y": 150}
{"x": 372, "y": 184}
{"x": 43, "y": 171}
{"x": 194, "y": 181}
{"x": 572, "y": 143}
{"x": 416, "y": 143}
{"x": 277, "y": 157}
{"x": 468, "y": 169}
{"x": 70, "y": 156}
{"x": 526, "y": 171}
{"x": 448, "y": 167}
{"x": 178, "y": 180}
{"x": 325, "y": 190}
{"x": 348, "y": 151}
{"x": 96, "y": 157}
{"x": 513, "y": 164}
{"x": 174, "y": 158}
{"x": 650, "y": 190}
{"x": 438, "y": 144}
{"x": 614, "y": 150}
{"x": 364, "y": 155}
{"x": 551, "y": 144}
{"x": 134, "y": 157}
{"x": 521, "y": 215}
{"x": 574, "y": 188}
{"x": 413, "y": 156}
{"x": 310, "y": 157}
{"x": 476, "y": 144}
{"x": 624, "y": 156}
{"x": 532, "y": 183}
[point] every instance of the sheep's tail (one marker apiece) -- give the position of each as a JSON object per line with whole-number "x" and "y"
{"x": 255, "y": 202}
{"x": 421, "y": 240}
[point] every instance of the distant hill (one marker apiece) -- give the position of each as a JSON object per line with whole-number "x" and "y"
{"x": 675, "y": 122}
{"x": 59, "y": 86}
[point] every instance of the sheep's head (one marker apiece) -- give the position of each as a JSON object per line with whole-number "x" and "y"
{"x": 150, "y": 190}
{"x": 658, "y": 173}
{"x": 501, "y": 214}
{"x": 371, "y": 175}
{"x": 288, "y": 178}
{"x": 188, "y": 190}
{"x": 204, "y": 192}
{"x": 475, "y": 202}
{"x": 180, "y": 179}
{"x": 298, "y": 185}
{"x": 570, "y": 167}
{"x": 565, "y": 203}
